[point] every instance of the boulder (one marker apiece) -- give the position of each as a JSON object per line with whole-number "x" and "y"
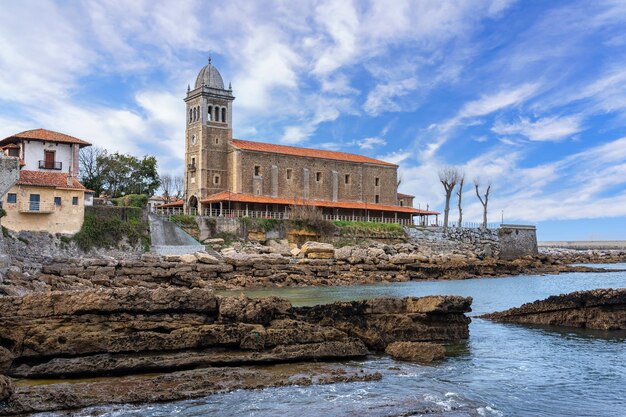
{"x": 318, "y": 250}
{"x": 424, "y": 352}
{"x": 6, "y": 388}
{"x": 188, "y": 259}
{"x": 295, "y": 252}
{"x": 215, "y": 241}
{"x": 205, "y": 258}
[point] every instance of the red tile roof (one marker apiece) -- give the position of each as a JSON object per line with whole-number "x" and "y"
{"x": 308, "y": 152}
{"x": 249, "y": 198}
{"x": 48, "y": 179}
{"x": 178, "y": 203}
{"x": 401, "y": 195}
{"x": 44, "y": 135}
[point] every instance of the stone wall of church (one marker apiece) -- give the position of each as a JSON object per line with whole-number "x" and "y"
{"x": 304, "y": 178}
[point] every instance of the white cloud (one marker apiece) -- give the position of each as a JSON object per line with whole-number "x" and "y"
{"x": 544, "y": 129}
{"x": 370, "y": 143}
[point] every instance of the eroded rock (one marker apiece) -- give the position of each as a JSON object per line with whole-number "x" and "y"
{"x": 603, "y": 309}
{"x": 416, "y": 351}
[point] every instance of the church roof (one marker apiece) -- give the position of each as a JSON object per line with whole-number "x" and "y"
{"x": 306, "y": 152}
{"x": 209, "y": 76}
{"x": 357, "y": 205}
{"x": 44, "y": 135}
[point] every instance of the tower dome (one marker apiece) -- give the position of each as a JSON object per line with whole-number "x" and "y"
{"x": 209, "y": 76}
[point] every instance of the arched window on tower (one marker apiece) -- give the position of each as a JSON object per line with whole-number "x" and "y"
{"x": 217, "y": 114}
{"x": 210, "y": 113}
{"x": 190, "y": 115}
{"x": 224, "y": 114}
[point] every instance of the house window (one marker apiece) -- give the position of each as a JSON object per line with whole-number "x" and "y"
{"x": 193, "y": 139}
{"x": 347, "y": 179}
{"x": 57, "y": 201}
{"x": 257, "y": 170}
{"x": 12, "y": 198}
{"x": 74, "y": 201}
{"x": 217, "y": 141}
{"x": 14, "y": 152}
{"x": 216, "y": 179}
{"x": 318, "y": 176}
{"x": 34, "y": 200}
{"x": 377, "y": 199}
{"x": 401, "y": 203}
{"x": 289, "y": 173}
{"x": 377, "y": 181}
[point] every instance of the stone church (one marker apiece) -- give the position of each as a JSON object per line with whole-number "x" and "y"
{"x": 225, "y": 176}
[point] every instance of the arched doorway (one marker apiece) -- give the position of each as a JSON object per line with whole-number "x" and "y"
{"x": 192, "y": 205}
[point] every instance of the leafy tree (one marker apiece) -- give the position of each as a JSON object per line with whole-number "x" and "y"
{"x": 119, "y": 174}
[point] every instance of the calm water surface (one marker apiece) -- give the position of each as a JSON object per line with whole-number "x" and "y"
{"x": 503, "y": 370}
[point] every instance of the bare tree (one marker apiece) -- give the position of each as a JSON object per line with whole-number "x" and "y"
{"x": 179, "y": 186}
{"x": 449, "y": 178}
{"x": 91, "y": 168}
{"x": 459, "y": 192}
{"x": 483, "y": 200}
{"x": 166, "y": 186}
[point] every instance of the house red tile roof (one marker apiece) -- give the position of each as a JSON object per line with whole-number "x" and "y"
{"x": 48, "y": 179}
{"x": 402, "y": 195}
{"x": 44, "y": 135}
{"x": 308, "y": 152}
{"x": 249, "y": 198}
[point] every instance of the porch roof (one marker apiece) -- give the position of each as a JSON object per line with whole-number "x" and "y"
{"x": 356, "y": 205}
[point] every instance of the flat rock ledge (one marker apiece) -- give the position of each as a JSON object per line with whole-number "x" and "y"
{"x": 126, "y": 332}
{"x": 602, "y": 309}
{"x": 173, "y": 386}
{"x": 423, "y": 352}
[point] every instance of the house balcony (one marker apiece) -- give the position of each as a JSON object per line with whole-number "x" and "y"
{"x": 51, "y": 165}
{"x": 36, "y": 207}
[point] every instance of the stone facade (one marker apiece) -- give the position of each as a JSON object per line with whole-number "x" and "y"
{"x": 517, "y": 241}
{"x": 215, "y": 162}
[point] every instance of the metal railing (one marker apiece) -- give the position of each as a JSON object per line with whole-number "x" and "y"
{"x": 36, "y": 207}
{"x": 465, "y": 225}
{"x": 278, "y": 215}
{"x": 51, "y": 165}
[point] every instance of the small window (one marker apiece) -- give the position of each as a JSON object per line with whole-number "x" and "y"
{"x": 401, "y": 203}
{"x": 377, "y": 181}
{"x": 57, "y": 201}
{"x": 12, "y": 198}
{"x": 377, "y": 199}
{"x": 14, "y": 152}
{"x": 224, "y": 115}
{"x": 193, "y": 139}
{"x": 74, "y": 201}
{"x": 210, "y": 113}
{"x": 289, "y": 172}
{"x": 257, "y": 170}
{"x": 318, "y": 176}
{"x": 347, "y": 179}
{"x": 216, "y": 179}
{"x": 217, "y": 141}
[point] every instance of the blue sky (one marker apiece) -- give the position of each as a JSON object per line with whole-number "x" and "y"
{"x": 527, "y": 95}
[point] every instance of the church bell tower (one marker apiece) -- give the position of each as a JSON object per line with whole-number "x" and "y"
{"x": 208, "y": 137}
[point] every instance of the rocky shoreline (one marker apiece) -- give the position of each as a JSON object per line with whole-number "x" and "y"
{"x": 602, "y": 309}
{"x": 316, "y": 265}
{"x": 190, "y": 335}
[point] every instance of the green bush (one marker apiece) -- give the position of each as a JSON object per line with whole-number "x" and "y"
{"x": 269, "y": 224}
{"x": 348, "y": 227}
{"x": 5, "y": 232}
{"x": 184, "y": 220}
{"x": 3, "y": 212}
{"x": 131, "y": 200}
{"x": 106, "y": 227}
